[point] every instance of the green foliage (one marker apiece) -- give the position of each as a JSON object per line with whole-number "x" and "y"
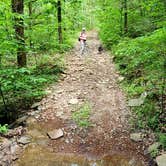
{"x": 162, "y": 140}
{"x": 22, "y": 86}
{"x": 111, "y": 19}
{"x": 3, "y": 128}
{"x": 142, "y": 62}
{"x": 155, "y": 153}
{"x": 82, "y": 115}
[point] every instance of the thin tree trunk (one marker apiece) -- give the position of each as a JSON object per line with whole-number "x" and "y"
{"x": 18, "y": 8}
{"x": 59, "y": 15}
{"x": 3, "y": 98}
{"x": 30, "y": 22}
{"x": 125, "y": 17}
{"x": 121, "y": 18}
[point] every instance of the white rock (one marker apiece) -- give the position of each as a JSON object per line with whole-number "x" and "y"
{"x": 35, "y": 105}
{"x": 55, "y": 134}
{"x": 136, "y": 137}
{"x": 24, "y": 140}
{"x": 139, "y": 101}
{"x": 161, "y": 160}
{"x": 60, "y": 91}
{"x": 73, "y": 101}
{"x": 120, "y": 79}
{"x": 59, "y": 114}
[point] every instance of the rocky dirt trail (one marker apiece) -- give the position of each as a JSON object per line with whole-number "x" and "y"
{"x": 89, "y": 79}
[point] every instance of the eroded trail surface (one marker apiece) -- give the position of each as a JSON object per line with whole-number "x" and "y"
{"x": 106, "y": 142}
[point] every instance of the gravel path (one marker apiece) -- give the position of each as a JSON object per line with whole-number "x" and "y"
{"x": 89, "y": 79}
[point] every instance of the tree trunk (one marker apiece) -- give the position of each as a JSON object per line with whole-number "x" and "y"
{"x": 121, "y": 18}
{"x": 30, "y": 22}
{"x": 18, "y": 8}
{"x": 59, "y": 14}
{"x": 125, "y": 17}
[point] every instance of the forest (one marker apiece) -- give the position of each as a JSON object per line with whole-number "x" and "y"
{"x": 35, "y": 36}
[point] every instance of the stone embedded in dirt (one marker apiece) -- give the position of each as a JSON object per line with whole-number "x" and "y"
{"x": 59, "y": 113}
{"x": 5, "y": 154}
{"x": 48, "y": 91}
{"x": 4, "y": 143}
{"x": 154, "y": 147}
{"x": 67, "y": 141}
{"x": 60, "y": 91}
{"x": 120, "y": 79}
{"x": 161, "y": 160}
{"x": 137, "y": 102}
{"x": 132, "y": 162}
{"x": 136, "y": 137}
{"x": 35, "y": 105}
{"x": 73, "y": 101}
{"x": 24, "y": 140}
{"x": 1, "y": 155}
{"x": 55, "y": 134}
{"x": 74, "y": 164}
{"x": 14, "y": 148}
{"x": 15, "y": 151}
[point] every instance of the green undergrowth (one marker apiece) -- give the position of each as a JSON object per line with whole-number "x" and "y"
{"x": 142, "y": 61}
{"x": 82, "y": 114}
{"x": 3, "y": 128}
{"x": 23, "y": 86}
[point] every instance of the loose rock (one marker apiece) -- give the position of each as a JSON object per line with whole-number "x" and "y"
{"x": 55, "y": 134}
{"x": 24, "y": 140}
{"x": 35, "y": 105}
{"x": 161, "y": 160}
{"x": 136, "y": 137}
{"x": 73, "y": 101}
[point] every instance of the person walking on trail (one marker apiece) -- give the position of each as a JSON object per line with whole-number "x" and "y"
{"x": 82, "y": 39}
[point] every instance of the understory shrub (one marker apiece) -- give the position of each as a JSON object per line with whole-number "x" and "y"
{"x": 143, "y": 63}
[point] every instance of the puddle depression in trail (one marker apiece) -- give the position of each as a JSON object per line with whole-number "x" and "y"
{"x": 37, "y": 156}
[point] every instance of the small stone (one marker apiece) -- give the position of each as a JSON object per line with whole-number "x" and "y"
{"x": 161, "y": 160}
{"x": 74, "y": 164}
{"x": 137, "y": 102}
{"x": 73, "y": 101}
{"x": 1, "y": 155}
{"x": 154, "y": 147}
{"x": 136, "y": 137}
{"x": 5, "y": 143}
{"x": 67, "y": 141}
{"x": 24, "y": 140}
{"x": 59, "y": 114}
{"x": 35, "y": 105}
{"x": 55, "y": 134}
{"x": 132, "y": 162}
{"x": 59, "y": 91}
{"x": 120, "y": 79}
{"x": 14, "y": 148}
{"x": 48, "y": 91}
